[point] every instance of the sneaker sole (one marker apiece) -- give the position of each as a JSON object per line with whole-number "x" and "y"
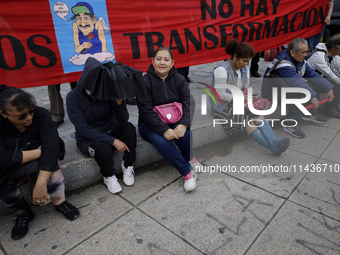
{"x": 117, "y": 192}
{"x": 190, "y": 189}
{"x": 315, "y": 121}
{"x": 297, "y": 136}
{"x": 127, "y": 184}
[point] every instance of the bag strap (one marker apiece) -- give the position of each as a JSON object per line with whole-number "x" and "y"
{"x": 313, "y": 50}
{"x": 232, "y": 73}
{"x": 277, "y": 63}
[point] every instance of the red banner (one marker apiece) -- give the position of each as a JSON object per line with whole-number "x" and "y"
{"x": 47, "y": 42}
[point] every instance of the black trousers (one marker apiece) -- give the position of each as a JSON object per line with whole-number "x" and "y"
{"x": 254, "y": 66}
{"x": 103, "y": 152}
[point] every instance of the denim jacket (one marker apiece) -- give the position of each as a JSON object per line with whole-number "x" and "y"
{"x": 229, "y": 81}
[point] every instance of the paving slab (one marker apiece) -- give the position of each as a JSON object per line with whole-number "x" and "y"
{"x": 135, "y": 233}
{"x": 316, "y": 141}
{"x": 297, "y": 230}
{"x": 51, "y": 233}
{"x": 332, "y": 151}
{"x": 221, "y": 216}
{"x": 263, "y": 169}
{"x": 149, "y": 180}
{"x": 331, "y": 122}
{"x": 319, "y": 191}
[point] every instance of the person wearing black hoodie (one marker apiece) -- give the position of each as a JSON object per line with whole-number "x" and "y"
{"x": 102, "y": 127}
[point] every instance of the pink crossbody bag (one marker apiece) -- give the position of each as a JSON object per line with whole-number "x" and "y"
{"x": 169, "y": 113}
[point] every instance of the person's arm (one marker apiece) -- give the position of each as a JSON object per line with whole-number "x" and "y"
{"x": 47, "y": 153}
{"x": 184, "y": 122}
{"x": 184, "y": 92}
{"x": 28, "y": 156}
{"x": 292, "y": 78}
{"x": 79, "y": 121}
{"x": 49, "y": 138}
{"x": 77, "y": 46}
{"x": 221, "y": 76}
{"x": 317, "y": 80}
{"x": 39, "y": 195}
{"x": 146, "y": 112}
{"x": 327, "y": 20}
{"x": 318, "y": 62}
{"x": 122, "y": 114}
{"x": 101, "y": 35}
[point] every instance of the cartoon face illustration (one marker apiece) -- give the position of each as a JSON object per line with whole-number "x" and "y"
{"x": 85, "y": 22}
{"x": 88, "y": 32}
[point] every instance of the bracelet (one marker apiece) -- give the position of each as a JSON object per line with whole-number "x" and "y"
{"x": 43, "y": 176}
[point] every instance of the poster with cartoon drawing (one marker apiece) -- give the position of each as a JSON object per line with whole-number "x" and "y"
{"x": 82, "y": 31}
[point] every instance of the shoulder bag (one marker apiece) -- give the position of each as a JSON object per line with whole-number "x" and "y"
{"x": 169, "y": 113}
{"x": 259, "y": 103}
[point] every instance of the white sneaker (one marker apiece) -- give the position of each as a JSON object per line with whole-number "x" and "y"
{"x": 197, "y": 166}
{"x": 128, "y": 175}
{"x": 112, "y": 184}
{"x": 190, "y": 181}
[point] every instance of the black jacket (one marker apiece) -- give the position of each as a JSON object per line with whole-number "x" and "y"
{"x": 158, "y": 91}
{"x": 42, "y": 132}
{"x": 92, "y": 118}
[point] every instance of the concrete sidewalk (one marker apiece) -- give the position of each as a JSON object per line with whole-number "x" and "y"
{"x": 295, "y": 211}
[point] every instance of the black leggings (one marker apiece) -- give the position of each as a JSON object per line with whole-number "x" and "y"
{"x": 103, "y": 152}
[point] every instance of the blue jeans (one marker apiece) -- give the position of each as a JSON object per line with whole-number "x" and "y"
{"x": 315, "y": 39}
{"x": 178, "y": 159}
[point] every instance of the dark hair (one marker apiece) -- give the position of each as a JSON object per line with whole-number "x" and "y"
{"x": 88, "y": 14}
{"x": 241, "y": 49}
{"x": 333, "y": 42}
{"x": 12, "y": 96}
{"x": 160, "y": 48}
{"x": 295, "y": 45}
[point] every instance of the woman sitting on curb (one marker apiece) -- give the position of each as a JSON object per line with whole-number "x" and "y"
{"x": 237, "y": 66}
{"x": 165, "y": 85}
{"x": 29, "y": 145}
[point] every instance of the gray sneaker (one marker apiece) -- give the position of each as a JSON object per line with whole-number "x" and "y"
{"x": 294, "y": 131}
{"x": 314, "y": 118}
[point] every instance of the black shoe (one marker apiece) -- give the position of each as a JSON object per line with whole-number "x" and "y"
{"x": 69, "y": 211}
{"x": 57, "y": 124}
{"x": 256, "y": 74}
{"x": 332, "y": 113}
{"x": 20, "y": 228}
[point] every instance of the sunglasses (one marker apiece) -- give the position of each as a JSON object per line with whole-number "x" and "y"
{"x": 24, "y": 115}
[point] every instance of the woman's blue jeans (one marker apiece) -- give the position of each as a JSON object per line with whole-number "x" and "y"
{"x": 179, "y": 159}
